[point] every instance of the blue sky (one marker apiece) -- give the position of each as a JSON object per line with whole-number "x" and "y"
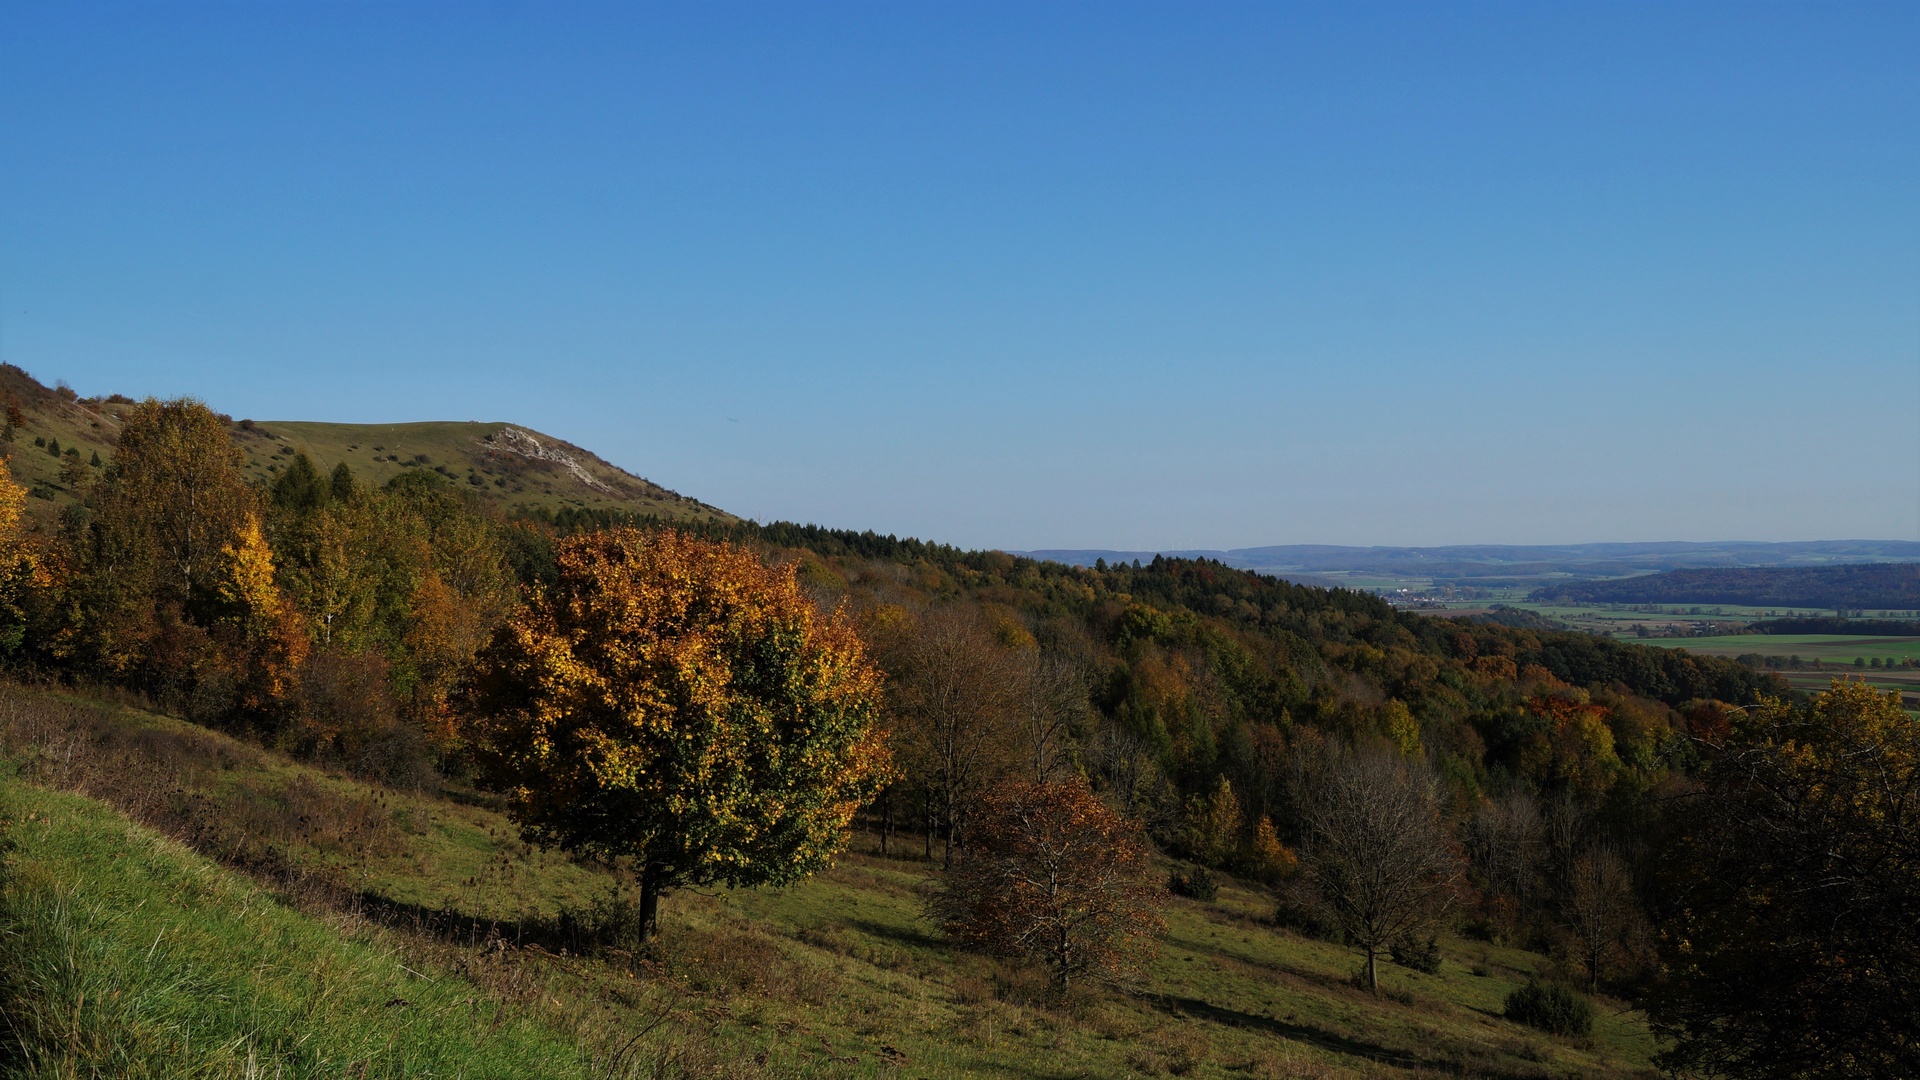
{"x": 1023, "y": 275}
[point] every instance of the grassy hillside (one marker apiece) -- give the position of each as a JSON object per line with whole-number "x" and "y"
{"x": 511, "y": 466}
{"x": 52, "y": 417}
{"x": 395, "y": 933}
{"x": 126, "y": 955}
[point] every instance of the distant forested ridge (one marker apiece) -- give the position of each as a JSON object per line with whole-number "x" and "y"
{"x": 1481, "y": 564}
{"x": 1874, "y": 585}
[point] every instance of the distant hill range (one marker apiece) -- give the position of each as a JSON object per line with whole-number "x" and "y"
{"x": 516, "y": 467}
{"x": 1880, "y": 585}
{"x": 1494, "y": 565}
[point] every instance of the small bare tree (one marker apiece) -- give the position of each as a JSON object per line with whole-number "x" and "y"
{"x": 1507, "y": 840}
{"x": 1051, "y": 874}
{"x": 1601, "y": 916}
{"x": 1131, "y": 778}
{"x": 951, "y": 687}
{"x": 1051, "y": 701}
{"x": 1568, "y": 821}
{"x": 1378, "y": 850}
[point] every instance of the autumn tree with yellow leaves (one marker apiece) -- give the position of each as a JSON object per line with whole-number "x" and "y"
{"x": 20, "y": 565}
{"x": 678, "y": 704}
{"x": 262, "y": 634}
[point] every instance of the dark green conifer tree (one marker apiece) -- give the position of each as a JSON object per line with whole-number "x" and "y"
{"x": 342, "y": 482}
{"x": 300, "y": 488}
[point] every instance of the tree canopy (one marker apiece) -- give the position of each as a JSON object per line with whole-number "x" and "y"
{"x": 1794, "y": 946}
{"x": 680, "y": 703}
{"x": 1050, "y": 872}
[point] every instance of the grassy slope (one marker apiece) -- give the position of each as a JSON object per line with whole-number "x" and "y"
{"x": 50, "y": 416}
{"x": 480, "y": 455}
{"x": 127, "y": 955}
{"x": 836, "y": 977}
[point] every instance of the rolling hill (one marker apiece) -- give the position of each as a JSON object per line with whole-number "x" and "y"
{"x": 500, "y": 462}
{"x": 62, "y": 440}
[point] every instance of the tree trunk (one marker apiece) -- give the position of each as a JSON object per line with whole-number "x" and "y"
{"x": 651, "y": 881}
{"x": 1373, "y": 971}
{"x": 886, "y": 818}
{"x": 947, "y": 860}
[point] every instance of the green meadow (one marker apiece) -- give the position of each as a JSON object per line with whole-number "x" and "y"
{"x": 267, "y": 918}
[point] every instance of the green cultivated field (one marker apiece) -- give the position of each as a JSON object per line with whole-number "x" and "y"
{"x": 1835, "y": 652}
{"x": 364, "y": 950}
{"x": 1829, "y": 648}
{"x": 1619, "y": 620}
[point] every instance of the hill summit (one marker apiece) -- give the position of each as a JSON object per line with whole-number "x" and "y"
{"x": 500, "y": 462}
{"x": 58, "y": 440}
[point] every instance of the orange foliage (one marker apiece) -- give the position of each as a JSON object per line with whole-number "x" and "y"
{"x": 1267, "y": 858}
{"x": 443, "y": 634}
{"x": 1499, "y": 667}
{"x": 1576, "y": 749}
{"x": 1710, "y": 721}
{"x": 1051, "y": 874}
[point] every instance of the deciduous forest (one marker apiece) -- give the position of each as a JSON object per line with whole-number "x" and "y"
{"x": 691, "y": 703}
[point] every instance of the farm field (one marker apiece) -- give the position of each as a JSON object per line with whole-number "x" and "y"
{"x": 1835, "y": 652}
{"x": 1827, "y": 648}
{"x": 1592, "y": 619}
{"x": 427, "y": 908}
{"x": 1907, "y": 682}
{"x": 1621, "y": 621}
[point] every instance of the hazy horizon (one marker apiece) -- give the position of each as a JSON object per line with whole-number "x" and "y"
{"x": 1153, "y": 277}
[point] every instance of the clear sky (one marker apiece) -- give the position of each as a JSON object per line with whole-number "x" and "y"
{"x": 1022, "y": 275}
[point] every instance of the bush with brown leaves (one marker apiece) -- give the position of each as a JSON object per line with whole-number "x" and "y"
{"x": 1051, "y": 874}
